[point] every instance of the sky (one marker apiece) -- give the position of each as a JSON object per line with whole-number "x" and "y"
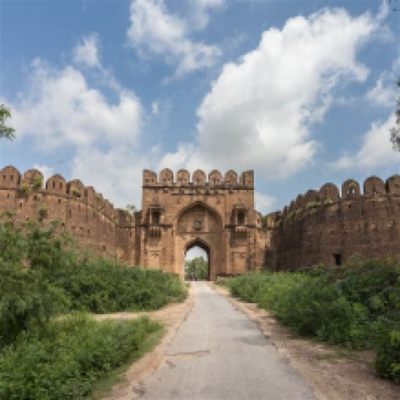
{"x": 301, "y": 91}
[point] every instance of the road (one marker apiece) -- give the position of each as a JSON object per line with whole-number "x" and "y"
{"x": 218, "y": 354}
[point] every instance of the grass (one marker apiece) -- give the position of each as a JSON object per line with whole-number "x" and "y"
{"x": 104, "y": 386}
{"x": 67, "y": 359}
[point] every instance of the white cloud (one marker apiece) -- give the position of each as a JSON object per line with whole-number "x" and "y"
{"x": 46, "y": 170}
{"x": 155, "y": 107}
{"x": 116, "y": 171}
{"x": 385, "y": 92}
{"x": 201, "y": 9}
{"x": 375, "y": 151}
{"x": 86, "y": 53}
{"x": 60, "y": 108}
{"x": 264, "y": 202}
{"x": 260, "y": 110}
{"x": 155, "y": 31}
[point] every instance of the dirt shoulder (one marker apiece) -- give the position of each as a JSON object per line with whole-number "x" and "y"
{"x": 171, "y": 317}
{"x": 333, "y": 373}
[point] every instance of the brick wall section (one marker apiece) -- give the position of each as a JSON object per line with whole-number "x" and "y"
{"x": 328, "y": 226}
{"x": 79, "y": 210}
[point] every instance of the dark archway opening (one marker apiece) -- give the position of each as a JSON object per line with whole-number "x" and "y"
{"x": 197, "y": 262}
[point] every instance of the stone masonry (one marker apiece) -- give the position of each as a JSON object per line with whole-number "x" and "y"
{"x": 215, "y": 212}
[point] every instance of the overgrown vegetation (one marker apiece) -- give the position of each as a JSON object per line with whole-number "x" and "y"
{"x": 356, "y": 306}
{"x": 5, "y": 131}
{"x": 69, "y": 356}
{"x": 43, "y": 275}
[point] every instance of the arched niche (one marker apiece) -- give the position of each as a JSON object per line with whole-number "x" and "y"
{"x": 198, "y": 218}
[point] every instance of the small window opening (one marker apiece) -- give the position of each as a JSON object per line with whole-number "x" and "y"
{"x": 240, "y": 218}
{"x": 54, "y": 184}
{"x": 337, "y": 258}
{"x": 352, "y": 191}
{"x": 155, "y": 218}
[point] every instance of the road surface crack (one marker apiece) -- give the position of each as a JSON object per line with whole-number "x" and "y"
{"x": 190, "y": 354}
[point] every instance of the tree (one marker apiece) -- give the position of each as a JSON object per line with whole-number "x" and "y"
{"x": 131, "y": 208}
{"x": 395, "y": 131}
{"x": 5, "y": 131}
{"x": 196, "y": 269}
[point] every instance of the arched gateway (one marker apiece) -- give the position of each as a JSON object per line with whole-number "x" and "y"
{"x": 216, "y": 214}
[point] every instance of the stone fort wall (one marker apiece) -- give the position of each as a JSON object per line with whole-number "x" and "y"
{"x": 321, "y": 226}
{"x": 328, "y": 226}
{"x": 80, "y": 210}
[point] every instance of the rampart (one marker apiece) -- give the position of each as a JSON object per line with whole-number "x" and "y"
{"x": 79, "y": 210}
{"x": 328, "y": 226}
{"x": 215, "y": 211}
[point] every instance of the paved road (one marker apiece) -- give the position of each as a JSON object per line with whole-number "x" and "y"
{"x": 218, "y": 354}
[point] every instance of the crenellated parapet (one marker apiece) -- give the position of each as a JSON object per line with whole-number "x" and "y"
{"x": 198, "y": 178}
{"x": 330, "y": 224}
{"x": 80, "y": 210}
{"x": 329, "y": 195}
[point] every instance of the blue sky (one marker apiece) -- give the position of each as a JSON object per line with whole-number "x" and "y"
{"x": 302, "y": 91}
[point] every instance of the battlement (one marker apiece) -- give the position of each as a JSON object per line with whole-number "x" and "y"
{"x": 329, "y": 225}
{"x": 32, "y": 182}
{"x": 199, "y": 178}
{"x": 78, "y": 209}
{"x": 329, "y": 194}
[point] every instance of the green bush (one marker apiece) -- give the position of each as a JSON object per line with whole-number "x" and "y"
{"x": 44, "y": 273}
{"x": 356, "y": 305}
{"x": 25, "y": 301}
{"x": 388, "y": 356}
{"x": 65, "y": 360}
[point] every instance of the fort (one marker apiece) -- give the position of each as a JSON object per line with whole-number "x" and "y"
{"x": 217, "y": 213}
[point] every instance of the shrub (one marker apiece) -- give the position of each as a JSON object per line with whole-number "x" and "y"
{"x": 25, "y": 301}
{"x": 65, "y": 360}
{"x": 388, "y": 356}
{"x": 44, "y": 273}
{"x": 356, "y": 305}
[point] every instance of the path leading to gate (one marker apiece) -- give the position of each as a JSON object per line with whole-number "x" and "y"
{"x": 218, "y": 354}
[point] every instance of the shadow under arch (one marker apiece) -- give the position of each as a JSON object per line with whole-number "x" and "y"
{"x": 199, "y": 203}
{"x": 199, "y": 242}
